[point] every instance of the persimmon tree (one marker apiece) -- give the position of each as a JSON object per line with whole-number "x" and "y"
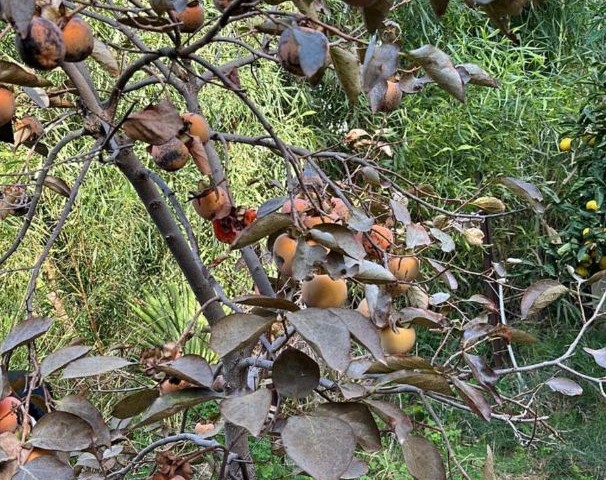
{"x": 364, "y": 263}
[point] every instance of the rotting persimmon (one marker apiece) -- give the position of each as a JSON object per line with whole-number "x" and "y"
{"x": 324, "y": 292}
{"x": 43, "y": 46}
{"x": 7, "y": 105}
{"x": 228, "y": 228}
{"x": 171, "y": 156}
{"x": 78, "y": 39}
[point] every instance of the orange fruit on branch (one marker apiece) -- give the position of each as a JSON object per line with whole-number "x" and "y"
{"x": 405, "y": 269}
{"x": 212, "y": 203}
{"x": 324, "y": 292}
{"x": 7, "y": 105}
{"x": 399, "y": 342}
{"x": 78, "y": 39}
{"x": 191, "y": 18}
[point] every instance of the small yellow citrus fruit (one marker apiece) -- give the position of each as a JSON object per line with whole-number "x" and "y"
{"x": 586, "y": 231}
{"x": 602, "y": 263}
{"x": 592, "y": 205}
{"x": 566, "y": 144}
{"x": 582, "y": 271}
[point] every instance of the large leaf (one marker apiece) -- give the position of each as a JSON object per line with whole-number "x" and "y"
{"x": 440, "y": 69}
{"x": 191, "y": 368}
{"x": 359, "y": 419}
{"x": 261, "y": 228}
{"x": 476, "y": 75}
{"x": 473, "y": 398}
{"x": 347, "y": 68}
{"x": 45, "y": 467}
{"x": 16, "y": 75}
{"x": 295, "y": 374}
{"x": 249, "y": 411}
{"x": 313, "y": 50}
{"x": 61, "y": 431}
{"x": 539, "y": 295}
{"x": 322, "y": 446}
{"x": 338, "y": 238}
{"x": 135, "y": 403}
{"x": 564, "y": 386}
{"x": 326, "y": 333}
{"x": 155, "y": 125}
{"x": 526, "y": 190}
{"x": 83, "y": 408}
{"x": 485, "y": 375}
{"x": 19, "y": 13}
{"x": 91, "y": 366}
{"x": 362, "y": 330}
{"x": 380, "y": 64}
{"x": 174, "y": 402}
{"x": 429, "y": 382}
{"x": 423, "y": 459}
{"x": 262, "y": 301}
{"x": 25, "y": 332}
{"x": 488, "y": 473}
{"x": 57, "y": 360}
{"x": 422, "y": 317}
{"x": 416, "y": 236}
{"x": 446, "y": 242}
{"x": 393, "y": 416}
{"x": 235, "y": 331}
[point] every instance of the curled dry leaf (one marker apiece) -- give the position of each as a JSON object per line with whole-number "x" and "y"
{"x": 438, "y": 65}
{"x": 539, "y": 295}
{"x": 565, "y": 386}
{"x": 474, "y": 236}
{"x": 15, "y": 74}
{"x": 489, "y": 204}
{"x": 155, "y": 125}
{"x": 105, "y": 57}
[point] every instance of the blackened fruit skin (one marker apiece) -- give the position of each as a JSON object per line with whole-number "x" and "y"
{"x": 171, "y": 156}
{"x": 43, "y": 47}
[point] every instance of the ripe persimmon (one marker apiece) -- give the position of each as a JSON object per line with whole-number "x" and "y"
{"x": 324, "y": 292}
{"x": 78, "y": 39}
{"x": 196, "y": 126}
{"x": 391, "y": 99}
{"x": 9, "y": 417}
{"x": 7, "y": 105}
{"x": 284, "y": 253}
{"x": 43, "y": 46}
{"x": 170, "y": 156}
{"x": 191, "y": 18}
{"x": 380, "y": 241}
{"x": 405, "y": 269}
{"x": 399, "y": 342}
{"x": 211, "y": 203}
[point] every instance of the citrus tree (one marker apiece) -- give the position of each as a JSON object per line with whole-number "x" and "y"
{"x": 293, "y": 361}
